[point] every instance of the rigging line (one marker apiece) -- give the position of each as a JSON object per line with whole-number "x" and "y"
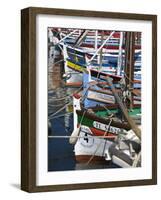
{"x": 136, "y": 160}
{"x": 50, "y": 117}
{"x": 128, "y": 77}
{"x": 62, "y": 115}
{"x": 104, "y": 148}
{"x": 58, "y": 61}
{"x": 53, "y": 104}
{"x": 100, "y": 64}
{"x": 100, "y": 57}
{"x": 91, "y": 158}
{"x": 78, "y": 90}
{"x": 60, "y": 47}
{"x": 88, "y": 86}
{"x": 85, "y": 93}
{"x": 98, "y": 50}
{"x": 82, "y": 118}
{"x": 106, "y": 108}
{"x": 68, "y": 136}
{"x": 57, "y": 99}
{"x": 69, "y": 103}
{"x": 66, "y": 37}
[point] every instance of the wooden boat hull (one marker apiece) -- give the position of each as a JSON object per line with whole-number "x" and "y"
{"x": 76, "y": 62}
{"x": 98, "y": 125}
{"x": 85, "y": 158}
{"x": 91, "y": 149}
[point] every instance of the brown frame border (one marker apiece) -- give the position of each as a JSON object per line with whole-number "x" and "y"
{"x": 28, "y": 98}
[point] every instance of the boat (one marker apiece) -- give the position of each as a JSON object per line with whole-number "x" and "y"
{"x": 97, "y": 118}
{"x": 93, "y": 39}
{"x": 96, "y": 139}
{"x": 100, "y": 123}
{"x": 76, "y": 61}
{"x": 99, "y": 91}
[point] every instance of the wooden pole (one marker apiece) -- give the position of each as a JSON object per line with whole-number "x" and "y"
{"x": 96, "y": 40}
{"x": 101, "y": 51}
{"x": 119, "y": 61}
{"x": 129, "y": 62}
{"x": 81, "y": 38}
{"x": 134, "y": 127}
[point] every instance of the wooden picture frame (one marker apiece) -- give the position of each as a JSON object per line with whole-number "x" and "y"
{"x": 28, "y": 98}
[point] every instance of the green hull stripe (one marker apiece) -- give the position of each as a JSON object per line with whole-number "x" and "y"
{"x": 89, "y": 122}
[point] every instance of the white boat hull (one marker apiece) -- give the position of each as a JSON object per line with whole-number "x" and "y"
{"x": 91, "y": 148}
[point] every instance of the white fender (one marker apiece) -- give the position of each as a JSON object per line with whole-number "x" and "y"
{"x": 76, "y": 106}
{"x": 74, "y": 136}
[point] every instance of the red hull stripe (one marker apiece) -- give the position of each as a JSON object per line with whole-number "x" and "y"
{"x": 86, "y": 158}
{"x": 106, "y": 47}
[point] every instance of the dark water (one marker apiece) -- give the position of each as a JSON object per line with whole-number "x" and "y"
{"x": 60, "y": 152}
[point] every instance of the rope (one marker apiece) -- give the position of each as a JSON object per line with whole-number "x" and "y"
{"x": 106, "y": 109}
{"x": 62, "y": 40}
{"x": 101, "y": 57}
{"x": 50, "y": 117}
{"x": 88, "y": 85}
{"x": 136, "y": 160}
{"x": 55, "y": 105}
{"x": 57, "y": 99}
{"x": 91, "y": 158}
{"x": 59, "y": 61}
{"x": 82, "y": 117}
{"x": 128, "y": 78}
{"x": 78, "y": 90}
{"x": 67, "y": 136}
{"x": 59, "y": 116}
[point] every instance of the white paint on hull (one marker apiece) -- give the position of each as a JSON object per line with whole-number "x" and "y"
{"x": 89, "y": 145}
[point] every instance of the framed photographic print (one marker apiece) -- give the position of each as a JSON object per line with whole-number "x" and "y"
{"x": 88, "y": 99}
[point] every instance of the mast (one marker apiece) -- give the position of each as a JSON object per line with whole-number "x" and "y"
{"x": 81, "y": 38}
{"x": 129, "y": 75}
{"x": 96, "y": 40}
{"x": 134, "y": 127}
{"x": 119, "y": 61}
{"x": 101, "y": 51}
{"x": 129, "y": 64}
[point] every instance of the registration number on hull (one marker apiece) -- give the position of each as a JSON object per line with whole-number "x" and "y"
{"x": 105, "y": 127}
